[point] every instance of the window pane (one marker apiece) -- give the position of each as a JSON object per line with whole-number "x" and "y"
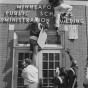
{"x": 45, "y": 56}
{"x": 45, "y": 65}
{"x": 21, "y": 56}
{"x": 56, "y": 64}
{"x": 53, "y": 39}
{"x": 45, "y": 80}
{"x": 20, "y": 82}
{"x": 51, "y": 56}
{"x": 51, "y": 73}
{"x": 51, "y": 65}
{"x": 23, "y": 38}
{"x": 20, "y": 64}
{"x": 26, "y": 55}
{"x": 45, "y": 85}
{"x": 19, "y": 73}
{"x": 45, "y": 73}
{"x": 57, "y": 56}
{"x": 51, "y": 84}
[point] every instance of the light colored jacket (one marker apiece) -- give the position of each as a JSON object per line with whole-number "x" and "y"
{"x": 30, "y": 74}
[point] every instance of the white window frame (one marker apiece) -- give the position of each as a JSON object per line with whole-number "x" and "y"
{"x": 47, "y": 46}
{"x": 26, "y": 46}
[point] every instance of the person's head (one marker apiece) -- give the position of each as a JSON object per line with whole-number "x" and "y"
{"x": 74, "y": 63}
{"x": 62, "y": 70}
{"x": 36, "y": 19}
{"x": 26, "y": 62}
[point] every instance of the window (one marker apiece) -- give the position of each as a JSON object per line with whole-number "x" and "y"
{"x": 20, "y": 81}
{"x": 50, "y": 62}
{"x": 53, "y": 39}
{"x": 23, "y": 38}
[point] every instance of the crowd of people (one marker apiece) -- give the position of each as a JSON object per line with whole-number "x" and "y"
{"x": 63, "y": 78}
{"x": 67, "y": 78}
{"x": 35, "y": 26}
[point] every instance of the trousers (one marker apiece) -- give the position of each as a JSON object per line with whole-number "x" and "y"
{"x": 32, "y": 85}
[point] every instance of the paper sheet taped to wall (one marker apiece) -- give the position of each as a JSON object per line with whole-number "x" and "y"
{"x": 73, "y": 31}
{"x": 42, "y": 38}
{"x": 11, "y": 27}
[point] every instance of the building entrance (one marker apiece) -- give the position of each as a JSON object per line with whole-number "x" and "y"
{"x": 47, "y": 61}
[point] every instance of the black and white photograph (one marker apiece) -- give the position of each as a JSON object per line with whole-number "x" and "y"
{"x": 43, "y": 43}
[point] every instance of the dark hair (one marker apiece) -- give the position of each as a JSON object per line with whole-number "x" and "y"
{"x": 25, "y": 62}
{"x": 50, "y": 1}
{"x": 55, "y": 2}
{"x": 28, "y": 61}
{"x": 62, "y": 70}
{"x": 73, "y": 64}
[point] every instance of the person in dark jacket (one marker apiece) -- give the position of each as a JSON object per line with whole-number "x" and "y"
{"x": 58, "y": 7}
{"x": 61, "y": 78}
{"x": 72, "y": 72}
{"x": 85, "y": 81}
{"x": 57, "y": 80}
{"x": 64, "y": 74}
{"x": 35, "y": 27}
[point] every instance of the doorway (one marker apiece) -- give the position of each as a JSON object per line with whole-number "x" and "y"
{"x": 47, "y": 61}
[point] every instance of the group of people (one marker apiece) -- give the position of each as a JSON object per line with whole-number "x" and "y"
{"x": 66, "y": 78}
{"x": 62, "y": 79}
{"x": 30, "y": 71}
{"x": 36, "y": 26}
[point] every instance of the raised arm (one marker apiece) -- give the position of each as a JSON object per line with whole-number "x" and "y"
{"x": 29, "y": 26}
{"x": 47, "y": 25}
{"x": 40, "y": 26}
{"x": 70, "y": 56}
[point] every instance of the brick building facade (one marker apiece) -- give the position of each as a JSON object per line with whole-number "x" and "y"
{"x": 13, "y": 35}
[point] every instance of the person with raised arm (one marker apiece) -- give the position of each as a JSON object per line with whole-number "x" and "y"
{"x": 85, "y": 81}
{"x": 57, "y": 80}
{"x": 35, "y": 27}
{"x": 72, "y": 72}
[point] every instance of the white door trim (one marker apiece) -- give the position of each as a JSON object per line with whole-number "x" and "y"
{"x": 40, "y": 59}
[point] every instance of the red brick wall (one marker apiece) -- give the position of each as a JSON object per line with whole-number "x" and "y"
{"x": 79, "y": 46}
{"x": 3, "y": 54}
{"x": 6, "y": 52}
